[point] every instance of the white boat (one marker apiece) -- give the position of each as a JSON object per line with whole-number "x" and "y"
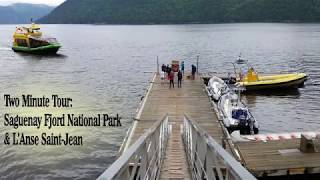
{"x": 216, "y": 88}
{"x": 236, "y": 116}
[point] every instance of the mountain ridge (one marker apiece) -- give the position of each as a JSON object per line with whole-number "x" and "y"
{"x": 21, "y": 13}
{"x": 183, "y": 11}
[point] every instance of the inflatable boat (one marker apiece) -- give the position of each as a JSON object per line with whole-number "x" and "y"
{"x": 235, "y": 115}
{"x": 252, "y": 81}
{"x": 216, "y": 88}
{"x": 281, "y": 81}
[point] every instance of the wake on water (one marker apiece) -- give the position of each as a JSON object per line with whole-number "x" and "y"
{"x": 5, "y": 48}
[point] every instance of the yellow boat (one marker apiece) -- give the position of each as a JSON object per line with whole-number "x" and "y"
{"x": 30, "y": 40}
{"x": 253, "y": 81}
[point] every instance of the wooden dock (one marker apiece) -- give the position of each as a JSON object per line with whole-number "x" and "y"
{"x": 191, "y": 99}
{"x": 278, "y": 158}
{"x": 272, "y": 158}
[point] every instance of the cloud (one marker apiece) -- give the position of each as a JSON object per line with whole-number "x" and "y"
{"x": 49, "y": 2}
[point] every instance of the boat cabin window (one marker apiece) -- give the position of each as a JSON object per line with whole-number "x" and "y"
{"x": 51, "y": 40}
{"x": 21, "y": 42}
{"x": 34, "y": 43}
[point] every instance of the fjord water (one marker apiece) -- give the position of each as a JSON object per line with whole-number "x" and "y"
{"x": 106, "y": 69}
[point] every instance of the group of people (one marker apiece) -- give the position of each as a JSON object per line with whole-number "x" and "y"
{"x": 168, "y": 73}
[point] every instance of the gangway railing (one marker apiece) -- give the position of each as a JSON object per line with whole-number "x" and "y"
{"x": 143, "y": 159}
{"x": 207, "y": 159}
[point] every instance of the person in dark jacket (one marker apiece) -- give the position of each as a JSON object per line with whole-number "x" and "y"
{"x": 163, "y": 67}
{"x": 179, "y": 78}
{"x": 193, "y": 71}
{"x": 168, "y": 71}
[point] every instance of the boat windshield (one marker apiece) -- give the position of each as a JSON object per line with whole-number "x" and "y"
{"x": 51, "y": 40}
{"x": 36, "y": 31}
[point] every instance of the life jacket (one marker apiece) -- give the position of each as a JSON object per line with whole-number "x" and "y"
{"x": 252, "y": 76}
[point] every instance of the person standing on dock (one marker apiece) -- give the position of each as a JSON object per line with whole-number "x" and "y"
{"x": 162, "y": 77}
{"x": 171, "y": 78}
{"x": 179, "y": 78}
{"x": 163, "y": 68}
{"x": 182, "y": 67}
{"x": 193, "y": 71}
{"x": 168, "y": 71}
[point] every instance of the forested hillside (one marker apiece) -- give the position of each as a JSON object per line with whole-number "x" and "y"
{"x": 184, "y": 11}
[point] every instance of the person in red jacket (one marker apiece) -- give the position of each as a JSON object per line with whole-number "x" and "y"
{"x": 171, "y": 78}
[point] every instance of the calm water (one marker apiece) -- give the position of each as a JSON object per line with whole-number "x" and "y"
{"x": 105, "y": 69}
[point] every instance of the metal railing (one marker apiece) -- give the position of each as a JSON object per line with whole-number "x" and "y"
{"x": 143, "y": 159}
{"x": 127, "y": 140}
{"x": 207, "y": 159}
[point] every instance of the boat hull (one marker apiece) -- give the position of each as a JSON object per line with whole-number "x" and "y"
{"x": 50, "y": 49}
{"x": 290, "y": 84}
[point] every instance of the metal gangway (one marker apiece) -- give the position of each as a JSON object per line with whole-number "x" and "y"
{"x": 206, "y": 158}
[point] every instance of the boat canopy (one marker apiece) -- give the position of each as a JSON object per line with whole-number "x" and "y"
{"x": 35, "y": 26}
{"x": 33, "y": 30}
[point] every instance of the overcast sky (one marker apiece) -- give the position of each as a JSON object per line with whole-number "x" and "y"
{"x": 49, "y": 2}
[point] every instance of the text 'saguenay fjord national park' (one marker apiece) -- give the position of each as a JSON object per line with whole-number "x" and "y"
{"x": 170, "y": 89}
